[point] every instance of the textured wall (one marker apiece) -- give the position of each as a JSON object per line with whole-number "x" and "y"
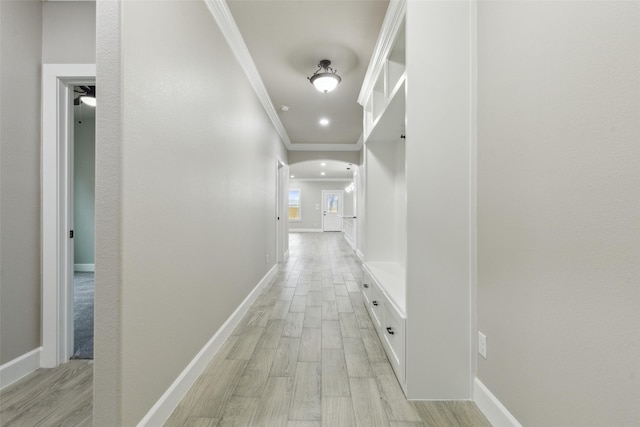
{"x": 68, "y": 32}
{"x": 20, "y": 50}
{"x": 559, "y": 210}
{"x": 193, "y": 215}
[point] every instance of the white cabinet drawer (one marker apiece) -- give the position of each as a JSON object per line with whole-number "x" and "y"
{"x": 367, "y": 288}
{"x": 393, "y": 336}
{"x": 377, "y": 306}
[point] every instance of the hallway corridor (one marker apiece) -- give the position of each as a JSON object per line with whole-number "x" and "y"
{"x": 306, "y": 354}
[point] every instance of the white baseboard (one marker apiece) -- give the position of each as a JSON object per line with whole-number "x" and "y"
{"x": 360, "y": 255}
{"x": 305, "y": 230}
{"x": 491, "y": 407}
{"x": 84, "y": 267}
{"x": 163, "y": 408}
{"x": 19, "y": 367}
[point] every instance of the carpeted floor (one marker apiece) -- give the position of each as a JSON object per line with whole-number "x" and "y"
{"x": 83, "y": 315}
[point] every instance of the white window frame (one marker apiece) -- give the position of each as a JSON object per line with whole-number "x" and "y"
{"x": 299, "y": 219}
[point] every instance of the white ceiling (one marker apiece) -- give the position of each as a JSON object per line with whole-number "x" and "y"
{"x": 288, "y": 38}
{"x": 313, "y": 170}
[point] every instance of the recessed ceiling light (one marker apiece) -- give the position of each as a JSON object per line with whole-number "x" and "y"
{"x": 324, "y": 122}
{"x": 323, "y": 164}
{"x": 292, "y": 176}
{"x": 322, "y": 173}
{"x": 284, "y": 107}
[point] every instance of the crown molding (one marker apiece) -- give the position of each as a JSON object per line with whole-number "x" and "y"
{"x": 390, "y": 26}
{"x": 222, "y": 15}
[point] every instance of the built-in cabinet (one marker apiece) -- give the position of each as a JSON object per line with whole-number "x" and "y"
{"x": 422, "y": 319}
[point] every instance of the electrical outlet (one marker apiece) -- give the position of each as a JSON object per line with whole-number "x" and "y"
{"x": 482, "y": 344}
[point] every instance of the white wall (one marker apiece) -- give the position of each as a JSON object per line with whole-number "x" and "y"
{"x": 312, "y": 199}
{"x": 438, "y": 146}
{"x": 559, "y": 210}
{"x": 185, "y": 197}
{"x": 20, "y": 80}
{"x": 68, "y": 32}
{"x": 84, "y": 184}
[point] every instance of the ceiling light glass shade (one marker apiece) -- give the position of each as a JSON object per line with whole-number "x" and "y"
{"x": 89, "y": 100}
{"x": 325, "y": 82}
{"x": 325, "y": 78}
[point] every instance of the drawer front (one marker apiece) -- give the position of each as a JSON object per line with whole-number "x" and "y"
{"x": 367, "y": 288}
{"x": 393, "y": 333}
{"x": 377, "y": 306}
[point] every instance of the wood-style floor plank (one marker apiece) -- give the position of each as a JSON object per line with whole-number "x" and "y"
{"x": 356, "y": 356}
{"x": 212, "y": 391}
{"x": 305, "y": 405}
{"x": 367, "y": 403}
{"x": 293, "y": 325}
{"x": 286, "y": 360}
{"x": 395, "y": 404}
{"x": 310, "y": 345}
{"x": 239, "y": 411}
{"x": 273, "y": 408}
{"x": 254, "y": 378}
{"x": 335, "y": 381}
{"x": 61, "y": 396}
{"x": 337, "y": 412}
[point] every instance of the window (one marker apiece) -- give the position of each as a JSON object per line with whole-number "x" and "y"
{"x": 294, "y": 205}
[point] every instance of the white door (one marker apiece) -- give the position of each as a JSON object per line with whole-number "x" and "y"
{"x": 332, "y": 210}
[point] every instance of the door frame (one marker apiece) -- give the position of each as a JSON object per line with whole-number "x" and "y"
{"x": 282, "y": 184}
{"x": 340, "y": 206}
{"x": 57, "y": 181}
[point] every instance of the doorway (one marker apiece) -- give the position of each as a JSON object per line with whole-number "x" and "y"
{"x": 331, "y": 210}
{"x": 83, "y": 220}
{"x": 58, "y": 81}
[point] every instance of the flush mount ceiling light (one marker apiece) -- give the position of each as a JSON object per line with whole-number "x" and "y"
{"x": 325, "y": 78}
{"x": 324, "y": 122}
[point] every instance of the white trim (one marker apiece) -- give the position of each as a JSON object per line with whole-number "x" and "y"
{"x": 163, "y": 408}
{"x": 491, "y": 407}
{"x": 360, "y": 255}
{"x": 392, "y": 20}
{"x": 84, "y": 267}
{"x": 305, "y": 230}
{"x": 57, "y": 338}
{"x": 19, "y": 367}
{"x": 222, "y": 15}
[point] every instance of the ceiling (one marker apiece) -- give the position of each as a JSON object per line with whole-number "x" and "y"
{"x": 312, "y": 170}
{"x": 288, "y": 38}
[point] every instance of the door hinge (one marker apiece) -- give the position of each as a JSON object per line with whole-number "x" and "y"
{"x": 71, "y": 234}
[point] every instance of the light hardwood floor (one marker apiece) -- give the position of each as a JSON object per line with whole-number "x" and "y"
{"x": 50, "y": 397}
{"x": 307, "y": 355}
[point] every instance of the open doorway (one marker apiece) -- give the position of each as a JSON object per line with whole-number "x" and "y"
{"x": 58, "y": 263}
{"x": 83, "y": 213}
